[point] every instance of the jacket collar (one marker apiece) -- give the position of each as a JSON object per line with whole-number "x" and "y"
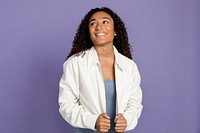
{"x": 93, "y": 59}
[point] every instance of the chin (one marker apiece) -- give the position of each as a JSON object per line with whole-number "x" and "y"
{"x": 103, "y": 43}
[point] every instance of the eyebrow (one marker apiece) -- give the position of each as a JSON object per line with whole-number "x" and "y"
{"x": 101, "y": 18}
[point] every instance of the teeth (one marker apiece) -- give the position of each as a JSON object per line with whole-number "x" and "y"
{"x": 100, "y": 34}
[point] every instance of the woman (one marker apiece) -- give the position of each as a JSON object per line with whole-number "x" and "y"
{"x": 100, "y": 86}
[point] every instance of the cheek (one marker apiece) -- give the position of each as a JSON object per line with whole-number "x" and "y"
{"x": 111, "y": 29}
{"x": 91, "y": 31}
{"x": 91, "y": 35}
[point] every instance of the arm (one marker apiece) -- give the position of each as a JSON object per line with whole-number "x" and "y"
{"x": 70, "y": 109}
{"x": 134, "y": 107}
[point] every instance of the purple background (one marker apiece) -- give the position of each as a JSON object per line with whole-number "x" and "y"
{"x": 36, "y": 36}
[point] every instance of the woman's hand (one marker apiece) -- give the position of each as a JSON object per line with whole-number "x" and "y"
{"x": 103, "y": 123}
{"x": 120, "y": 123}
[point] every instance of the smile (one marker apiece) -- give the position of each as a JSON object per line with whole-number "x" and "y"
{"x": 100, "y": 34}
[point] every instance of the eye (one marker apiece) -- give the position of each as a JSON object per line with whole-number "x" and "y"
{"x": 105, "y": 22}
{"x": 92, "y": 24}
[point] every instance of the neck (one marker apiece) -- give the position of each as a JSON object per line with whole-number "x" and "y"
{"x": 105, "y": 51}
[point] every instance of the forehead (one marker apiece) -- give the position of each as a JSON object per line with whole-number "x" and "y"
{"x": 100, "y": 15}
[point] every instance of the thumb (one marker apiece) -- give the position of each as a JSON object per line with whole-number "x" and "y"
{"x": 105, "y": 116}
{"x": 119, "y": 116}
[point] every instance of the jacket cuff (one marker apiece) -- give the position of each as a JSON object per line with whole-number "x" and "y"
{"x": 131, "y": 121}
{"x": 91, "y": 121}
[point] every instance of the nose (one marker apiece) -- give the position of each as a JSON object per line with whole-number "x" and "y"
{"x": 98, "y": 26}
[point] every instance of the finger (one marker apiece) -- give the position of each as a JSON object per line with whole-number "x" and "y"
{"x": 120, "y": 121}
{"x": 119, "y": 116}
{"x": 104, "y": 120}
{"x": 120, "y": 125}
{"x": 103, "y": 130}
{"x": 103, "y": 124}
{"x": 104, "y": 127}
{"x": 104, "y": 115}
{"x": 120, "y": 129}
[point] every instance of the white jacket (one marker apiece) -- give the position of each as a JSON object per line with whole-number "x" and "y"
{"x": 82, "y": 91}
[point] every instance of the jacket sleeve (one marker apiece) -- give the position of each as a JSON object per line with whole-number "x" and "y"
{"x": 68, "y": 100}
{"x": 134, "y": 107}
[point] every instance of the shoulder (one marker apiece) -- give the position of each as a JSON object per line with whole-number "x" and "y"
{"x": 79, "y": 57}
{"x": 127, "y": 63}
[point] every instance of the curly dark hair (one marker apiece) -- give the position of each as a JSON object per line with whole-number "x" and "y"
{"x": 82, "y": 39}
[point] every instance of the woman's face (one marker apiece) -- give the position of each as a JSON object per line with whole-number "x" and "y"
{"x": 101, "y": 29}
